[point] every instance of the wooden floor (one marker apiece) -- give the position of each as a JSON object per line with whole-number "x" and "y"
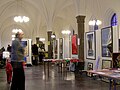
{"x": 36, "y": 79}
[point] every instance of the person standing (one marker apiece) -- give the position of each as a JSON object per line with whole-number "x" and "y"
{"x": 17, "y": 60}
{"x": 9, "y": 48}
{"x": 8, "y": 70}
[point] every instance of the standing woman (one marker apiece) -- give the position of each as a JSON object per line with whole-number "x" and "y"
{"x": 17, "y": 59}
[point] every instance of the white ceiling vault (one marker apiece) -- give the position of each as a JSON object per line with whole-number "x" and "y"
{"x": 45, "y": 15}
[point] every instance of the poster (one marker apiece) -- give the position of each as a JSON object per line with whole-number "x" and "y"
{"x": 74, "y": 44}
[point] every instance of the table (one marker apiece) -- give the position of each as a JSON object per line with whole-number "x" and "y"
{"x": 60, "y": 61}
{"x": 46, "y": 61}
{"x": 112, "y": 75}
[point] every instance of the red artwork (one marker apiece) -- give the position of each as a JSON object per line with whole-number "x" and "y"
{"x": 74, "y": 44}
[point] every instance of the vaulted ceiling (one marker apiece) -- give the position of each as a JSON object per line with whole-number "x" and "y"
{"x": 45, "y": 15}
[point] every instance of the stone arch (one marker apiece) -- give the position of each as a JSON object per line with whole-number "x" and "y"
{"x": 107, "y": 17}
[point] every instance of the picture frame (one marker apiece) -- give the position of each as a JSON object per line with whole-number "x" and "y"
{"x": 106, "y": 64}
{"x": 107, "y": 41}
{"x": 74, "y": 44}
{"x": 119, "y": 45}
{"x": 56, "y": 49}
{"x": 90, "y": 66}
{"x": 116, "y": 60}
{"x": 61, "y": 48}
{"x": 90, "y": 45}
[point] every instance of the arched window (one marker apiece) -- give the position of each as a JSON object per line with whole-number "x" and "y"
{"x": 114, "y": 20}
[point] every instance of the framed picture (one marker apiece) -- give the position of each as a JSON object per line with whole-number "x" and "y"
{"x": 90, "y": 45}
{"x": 74, "y": 44}
{"x": 24, "y": 43}
{"x": 61, "y": 48}
{"x": 116, "y": 60}
{"x": 106, "y": 64}
{"x": 106, "y": 42}
{"x": 90, "y": 66}
{"x": 119, "y": 44}
{"x": 56, "y": 48}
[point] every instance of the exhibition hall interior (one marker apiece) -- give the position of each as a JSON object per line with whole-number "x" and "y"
{"x": 69, "y": 44}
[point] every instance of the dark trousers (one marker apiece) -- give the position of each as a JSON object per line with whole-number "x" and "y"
{"x": 18, "y": 80}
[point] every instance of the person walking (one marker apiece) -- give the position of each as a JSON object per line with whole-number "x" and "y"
{"x": 17, "y": 60}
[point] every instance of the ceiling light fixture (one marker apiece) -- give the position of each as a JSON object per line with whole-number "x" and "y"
{"x": 19, "y": 18}
{"x": 95, "y": 22}
{"x": 16, "y": 30}
{"x": 66, "y": 32}
{"x": 42, "y": 39}
{"x": 53, "y": 35}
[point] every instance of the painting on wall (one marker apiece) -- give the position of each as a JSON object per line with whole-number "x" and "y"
{"x": 74, "y": 44}
{"x": 90, "y": 45}
{"x": 106, "y": 64}
{"x": 106, "y": 42}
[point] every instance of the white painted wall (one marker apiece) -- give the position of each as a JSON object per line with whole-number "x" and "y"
{"x": 115, "y": 39}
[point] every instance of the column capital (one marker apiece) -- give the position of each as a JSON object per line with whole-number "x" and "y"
{"x": 80, "y": 19}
